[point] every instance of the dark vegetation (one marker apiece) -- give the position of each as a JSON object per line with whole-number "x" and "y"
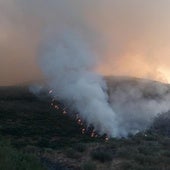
{"x": 89, "y": 166}
{"x": 102, "y": 155}
{"x": 30, "y": 121}
{"x": 12, "y": 159}
{"x": 36, "y": 131}
{"x": 161, "y": 125}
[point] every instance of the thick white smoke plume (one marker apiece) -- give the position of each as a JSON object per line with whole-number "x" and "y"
{"x": 68, "y": 64}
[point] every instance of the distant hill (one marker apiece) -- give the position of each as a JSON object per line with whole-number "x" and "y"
{"x": 149, "y": 88}
{"x": 33, "y": 125}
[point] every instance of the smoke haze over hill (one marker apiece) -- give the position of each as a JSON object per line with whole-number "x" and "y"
{"x": 71, "y": 43}
{"x": 137, "y": 102}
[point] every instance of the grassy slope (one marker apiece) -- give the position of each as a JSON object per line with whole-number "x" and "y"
{"x": 33, "y": 126}
{"x": 31, "y": 121}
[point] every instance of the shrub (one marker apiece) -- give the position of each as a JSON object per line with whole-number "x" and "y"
{"x": 11, "y": 159}
{"x": 126, "y": 152}
{"x": 165, "y": 143}
{"x": 80, "y": 147}
{"x": 89, "y": 166}
{"x": 148, "y": 149}
{"x": 43, "y": 142}
{"x": 147, "y": 160}
{"x": 167, "y": 154}
{"x": 161, "y": 124}
{"x": 101, "y": 155}
{"x": 71, "y": 153}
{"x": 131, "y": 165}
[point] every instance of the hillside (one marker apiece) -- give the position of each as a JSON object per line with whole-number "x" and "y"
{"x": 33, "y": 126}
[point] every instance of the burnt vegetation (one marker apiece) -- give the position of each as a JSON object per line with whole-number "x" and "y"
{"x": 36, "y": 131}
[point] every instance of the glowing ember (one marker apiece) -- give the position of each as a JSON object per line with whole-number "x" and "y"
{"x": 50, "y": 92}
{"x": 92, "y": 134}
{"x": 83, "y": 131}
{"x": 77, "y": 118}
{"x": 56, "y": 107}
{"x": 79, "y": 121}
{"x": 106, "y": 139}
{"x": 64, "y": 112}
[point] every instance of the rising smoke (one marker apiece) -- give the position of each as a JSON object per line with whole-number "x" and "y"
{"x": 75, "y": 40}
{"x": 68, "y": 65}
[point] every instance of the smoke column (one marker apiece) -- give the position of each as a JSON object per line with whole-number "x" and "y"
{"x": 68, "y": 64}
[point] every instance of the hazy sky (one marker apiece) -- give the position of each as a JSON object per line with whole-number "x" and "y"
{"x": 134, "y": 35}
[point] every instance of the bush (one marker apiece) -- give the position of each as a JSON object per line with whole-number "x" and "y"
{"x": 148, "y": 150}
{"x": 167, "y": 154}
{"x": 11, "y": 159}
{"x": 165, "y": 143}
{"x": 101, "y": 155}
{"x": 147, "y": 160}
{"x": 80, "y": 147}
{"x": 126, "y": 152}
{"x": 71, "y": 153}
{"x": 131, "y": 165}
{"x": 89, "y": 166}
{"x": 161, "y": 124}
